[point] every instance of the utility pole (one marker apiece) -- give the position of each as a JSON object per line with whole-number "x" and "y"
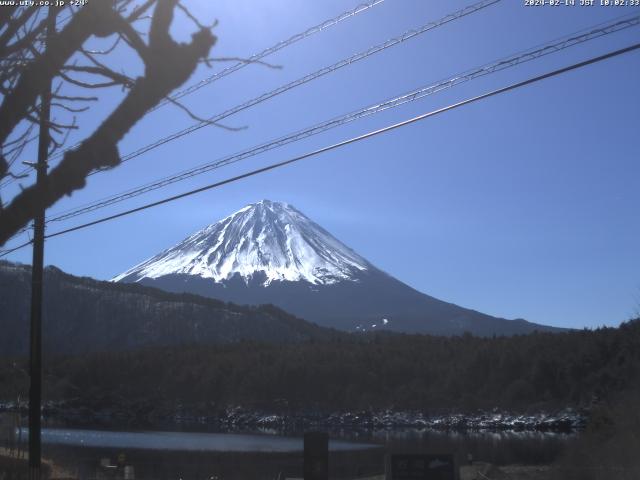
{"x": 35, "y": 364}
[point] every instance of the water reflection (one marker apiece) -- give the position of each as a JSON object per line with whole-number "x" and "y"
{"x": 253, "y": 455}
{"x": 184, "y": 441}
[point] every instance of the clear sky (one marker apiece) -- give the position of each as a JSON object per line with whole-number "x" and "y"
{"x": 524, "y": 205}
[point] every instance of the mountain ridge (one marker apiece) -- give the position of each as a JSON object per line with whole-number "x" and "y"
{"x": 81, "y": 314}
{"x": 269, "y": 252}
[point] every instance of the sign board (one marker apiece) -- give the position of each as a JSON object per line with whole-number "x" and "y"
{"x": 316, "y": 456}
{"x": 422, "y": 467}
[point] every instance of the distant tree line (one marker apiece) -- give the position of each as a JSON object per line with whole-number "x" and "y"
{"x": 83, "y": 315}
{"x": 382, "y": 370}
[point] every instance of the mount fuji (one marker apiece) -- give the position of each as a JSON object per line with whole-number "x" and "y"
{"x": 269, "y": 252}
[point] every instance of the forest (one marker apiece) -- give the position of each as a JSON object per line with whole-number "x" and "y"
{"x": 358, "y": 371}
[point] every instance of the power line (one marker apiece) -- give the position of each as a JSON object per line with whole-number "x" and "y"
{"x": 538, "y": 51}
{"x": 4, "y": 253}
{"x": 252, "y": 59}
{"x": 273, "y": 49}
{"x": 343, "y": 143}
{"x": 312, "y": 76}
{"x": 307, "y": 78}
{"x": 495, "y": 66}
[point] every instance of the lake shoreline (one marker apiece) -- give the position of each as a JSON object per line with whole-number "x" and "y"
{"x": 238, "y": 418}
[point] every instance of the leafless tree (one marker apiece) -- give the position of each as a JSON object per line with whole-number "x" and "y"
{"x": 29, "y": 60}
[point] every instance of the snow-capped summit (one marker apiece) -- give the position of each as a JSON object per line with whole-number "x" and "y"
{"x": 270, "y": 238}
{"x": 270, "y": 253}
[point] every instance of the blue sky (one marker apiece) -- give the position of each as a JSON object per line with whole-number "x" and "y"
{"x": 521, "y": 206}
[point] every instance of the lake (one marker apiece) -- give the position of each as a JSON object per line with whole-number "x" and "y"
{"x": 265, "y": 454}
{"x": 183, "y": 441}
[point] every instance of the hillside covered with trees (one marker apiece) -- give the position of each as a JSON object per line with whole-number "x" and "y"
{"x": 83, "y": 315}
{"x": 372, "y": 371}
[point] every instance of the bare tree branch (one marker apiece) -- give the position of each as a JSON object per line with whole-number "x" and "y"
{"x": 116, "y": 78}
{"x": 197, "y": 23}
{"x": 17, "y": 177}
{"x": 17, "y": 139}
{"x": 28, "y": 38}
{"x": 6, "y": 13}
{"x": 137, "y": 13}
{"x": 104, "y": 52}
{"x": 55, "y": 144}
{"x": 61, "y": 47}
{"x": 131, "y": 37}
{"x": 13, "y": 26}
{"x": 168, "y": 65}
{"x": 80, "y": 83}
{"x": 203, "y": 120}
{"x": 75, "y": 98}
{"x": 68, "y": 108}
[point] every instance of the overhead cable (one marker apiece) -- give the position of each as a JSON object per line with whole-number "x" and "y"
{"x": 252, "y": 59}
{"x": 306, "y": 79}
{"x": 312, "y": 76}
{"x": 359, "y": 138}
{"x": 343, "y": 143}
{"x": 273, "y": 49}
{"x": 492, "y": 67}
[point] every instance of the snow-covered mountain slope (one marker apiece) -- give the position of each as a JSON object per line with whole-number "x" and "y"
{"x": 269, "y": 238}
{"x": 269, "y": 252}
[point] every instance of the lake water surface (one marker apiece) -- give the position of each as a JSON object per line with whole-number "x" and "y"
{"x": 184, "y": 441}
{"x": 265, "y": 454}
